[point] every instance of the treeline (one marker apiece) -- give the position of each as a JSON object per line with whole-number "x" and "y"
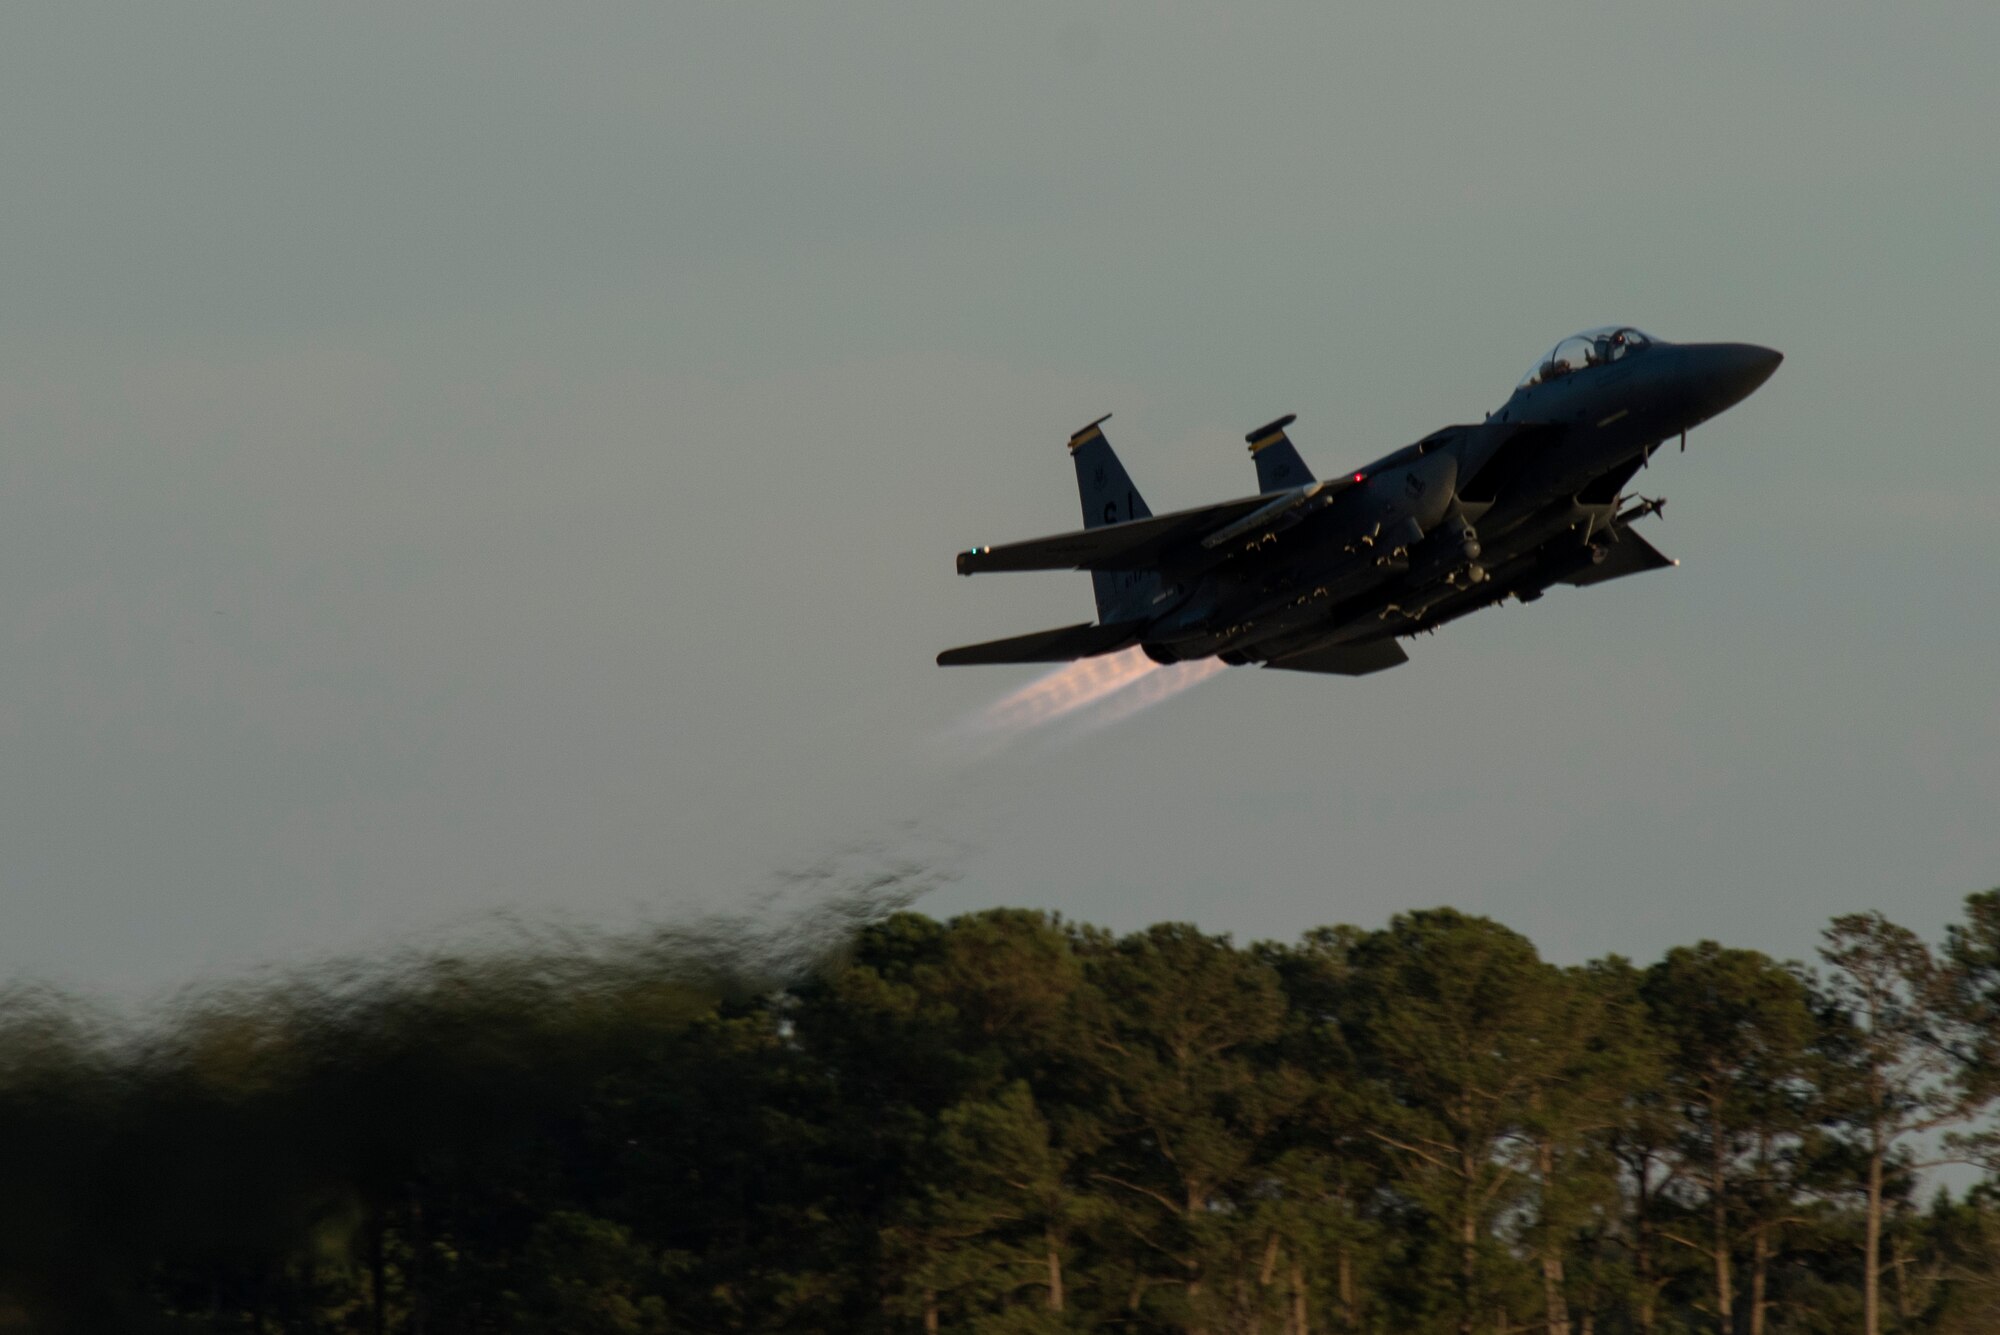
{"x": 1013, "y": 1123}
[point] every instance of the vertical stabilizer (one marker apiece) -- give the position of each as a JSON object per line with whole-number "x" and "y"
{"x": 1108, "y": 494}
{"x": 1110, "y": 497}
{"x": 1279, "y": 467}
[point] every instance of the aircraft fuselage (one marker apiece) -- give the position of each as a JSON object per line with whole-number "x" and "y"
{"x": 1309, "y": 576}
{"x": 1571, "y": 430}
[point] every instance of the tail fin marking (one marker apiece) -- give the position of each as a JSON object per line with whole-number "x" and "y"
{"x": 1111, "y": 497}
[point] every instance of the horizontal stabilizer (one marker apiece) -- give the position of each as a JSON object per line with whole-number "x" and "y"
{"x": 1047, "y": 646}
{"x": 1346, "y": 660}
{"x": 1629, "y": 555}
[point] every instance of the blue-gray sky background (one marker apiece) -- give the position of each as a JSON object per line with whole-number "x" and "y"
{"x": 493, "y": 458}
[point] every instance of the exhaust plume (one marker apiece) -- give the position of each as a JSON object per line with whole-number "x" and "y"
{"x": 1069, "y": 688}
{"x": 1155, "y": 687}
{"x": 1095, "y": 691}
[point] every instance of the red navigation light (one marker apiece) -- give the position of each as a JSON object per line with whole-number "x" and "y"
{"x": 1359, "y": 477}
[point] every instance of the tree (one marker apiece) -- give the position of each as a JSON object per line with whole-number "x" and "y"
{"x": 1469, "y": 1039}
{"x": 1894, "y": 1039}
{"x": 1174, "y": 1036}
{"x": 1011, "y": 1125}
{"x": 586, "y": 1276}
{"x": 1008, "y": 1158}
{"x": 1642, "y": 1141}
{"x": 998, "y": 1214}
{"x": 1738, "y": 1031}
{"x": 1333, "y": 1171}
{"x": 1601, "y": 1048}
{"x": 1972, "y": 973}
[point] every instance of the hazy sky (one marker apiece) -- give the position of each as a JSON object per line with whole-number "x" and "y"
{"x": 486, "y": 457}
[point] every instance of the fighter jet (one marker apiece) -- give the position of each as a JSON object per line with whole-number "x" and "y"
{"x": 1328, "y": 575}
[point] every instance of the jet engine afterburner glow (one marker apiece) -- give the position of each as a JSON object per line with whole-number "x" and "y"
{"x": 1093, "y": 691}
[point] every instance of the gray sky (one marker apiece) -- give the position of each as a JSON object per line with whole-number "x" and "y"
{"x": 474, "y": 458}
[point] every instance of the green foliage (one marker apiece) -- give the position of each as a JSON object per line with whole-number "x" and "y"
{"x": 1012, "y": 1125}
{"x": 586, "y": 1276}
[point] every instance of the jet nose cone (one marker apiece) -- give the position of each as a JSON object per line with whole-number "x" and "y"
{"x": 1728, "y": 373}
{"x": 1750, "y": 365}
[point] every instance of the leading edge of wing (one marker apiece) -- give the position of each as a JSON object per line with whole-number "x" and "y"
{"x": 1137, "y": 544}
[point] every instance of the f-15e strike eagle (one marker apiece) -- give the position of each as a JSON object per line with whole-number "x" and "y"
{"x": 1327, "y": 575}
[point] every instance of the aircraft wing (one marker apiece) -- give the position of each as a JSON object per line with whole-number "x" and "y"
{"x": 1185, "y": 537}
{"x": 1629, "y": 555}
{"x": 1137, "y": 544}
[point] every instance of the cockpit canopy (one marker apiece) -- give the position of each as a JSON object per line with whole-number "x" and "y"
{"x": 1593, "y": 347}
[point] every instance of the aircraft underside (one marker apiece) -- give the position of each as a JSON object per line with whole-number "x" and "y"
{"x": 1337, "y": 621}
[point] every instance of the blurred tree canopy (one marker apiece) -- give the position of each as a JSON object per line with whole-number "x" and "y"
{"x": 1013, "y": 1123}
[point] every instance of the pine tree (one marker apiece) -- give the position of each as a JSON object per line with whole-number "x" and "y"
{"x": 1738, "y": 1031}
{"x": 1893, "y": 1033}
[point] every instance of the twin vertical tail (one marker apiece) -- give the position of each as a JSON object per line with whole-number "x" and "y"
{"x": 1279, "y": 467}
{"x": 1110, "y": 497}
